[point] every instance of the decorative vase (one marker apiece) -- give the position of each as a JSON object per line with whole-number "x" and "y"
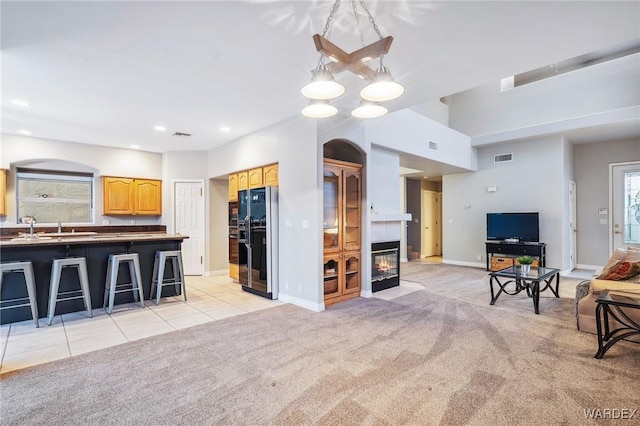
{"x": 526, "y": 269}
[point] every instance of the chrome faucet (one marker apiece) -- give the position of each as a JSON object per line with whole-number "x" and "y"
{"x": 31, "y": 230}
{"x": 59, "y": 227}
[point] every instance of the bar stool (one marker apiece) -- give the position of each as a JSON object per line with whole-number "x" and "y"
{"x": 158, "y": 280}
{"x": 80, "y": 263}
{"x": 25, "y": 268}
{"x": 111, "y": 285}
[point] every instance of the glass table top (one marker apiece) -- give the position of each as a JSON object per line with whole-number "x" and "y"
{"x": 535, "y": 272}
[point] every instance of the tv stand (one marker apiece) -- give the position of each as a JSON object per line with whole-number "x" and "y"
{"x": 507, "y": 252}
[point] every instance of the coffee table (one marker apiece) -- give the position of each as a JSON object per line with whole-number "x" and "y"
{"x": 609, "y": 303}
{"x": 529, "y": 281}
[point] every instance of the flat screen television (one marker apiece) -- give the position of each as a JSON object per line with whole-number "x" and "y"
{"x": 520, "y": 226}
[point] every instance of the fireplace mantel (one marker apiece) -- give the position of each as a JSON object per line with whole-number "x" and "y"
{"x": 390, "y": 217}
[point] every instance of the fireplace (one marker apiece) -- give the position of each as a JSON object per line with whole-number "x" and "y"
{"x": 385, "y": 265}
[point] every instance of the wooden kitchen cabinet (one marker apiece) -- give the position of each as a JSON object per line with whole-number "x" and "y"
{"x": 233, "y": 187}
{"x": 3, "y": 192}
{"x": 130, "y": 196}
{"x": 342, "y": 212}
{"x": 255, "y": 177}
{"x": 148, "y": 197}
{"x": 243, "y": 180}
{"x": 270, "y": 175}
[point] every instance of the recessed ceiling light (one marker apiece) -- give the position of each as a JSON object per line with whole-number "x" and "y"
{"x": 135, "y": 146}
{"x": 25, "y": 132}
{"x": 160, "y": 128}
{"x": 20, "y": 102}
{"x": 225, "y": 129}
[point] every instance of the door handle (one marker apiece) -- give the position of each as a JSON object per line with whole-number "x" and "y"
{"x": 617, "y": 232}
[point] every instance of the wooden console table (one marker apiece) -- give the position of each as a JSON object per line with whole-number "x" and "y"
{"x": 513, "y": 250}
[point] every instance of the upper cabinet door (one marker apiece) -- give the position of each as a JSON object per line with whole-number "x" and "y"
{"x": 3, "y": 192}
{"x": 331, "y": 220}
{"x": 255, "y": 177}
{"x": 117, "y": 195}
{"x": 270, "y": 175}
{"x": 233, "y": 187}
{"x": 243, "y": 180}
{"x": 148, "y": 196}
{"x": 352, "y": 208}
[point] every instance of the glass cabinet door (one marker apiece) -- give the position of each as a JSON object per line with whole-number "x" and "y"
{"x": 331, "y": 209}
{"x": 331, "y": 280}
{"x": 351, "y": 272}
{"x": 352, "y": 212}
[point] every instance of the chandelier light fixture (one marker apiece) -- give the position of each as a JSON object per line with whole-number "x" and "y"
{"x": 323, "y": 87}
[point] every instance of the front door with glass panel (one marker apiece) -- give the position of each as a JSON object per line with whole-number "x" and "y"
{"x": 625, "y": 206}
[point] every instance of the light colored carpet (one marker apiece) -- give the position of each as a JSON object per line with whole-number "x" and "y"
{"x": 437, "y": 356}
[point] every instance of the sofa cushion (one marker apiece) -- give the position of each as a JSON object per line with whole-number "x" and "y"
{"x": 620, "y": 271}
{"x": 598, "y": 286}
{"x": 633, "y": 255}
{"x": 618, "y": 255}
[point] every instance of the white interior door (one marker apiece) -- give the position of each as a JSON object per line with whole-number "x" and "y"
{"x": 189, "y": 220}
{"x": 573, "y": 236}
{"x": 625, "y": 205}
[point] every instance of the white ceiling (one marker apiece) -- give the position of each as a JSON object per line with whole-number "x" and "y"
{"x": 106, "y": 73}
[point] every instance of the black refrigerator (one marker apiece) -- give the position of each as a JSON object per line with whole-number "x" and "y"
{"x": 258, "y": 241}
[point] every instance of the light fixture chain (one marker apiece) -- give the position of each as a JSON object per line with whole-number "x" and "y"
{"x": 371, "y": 20}
{"x": 336, "y": 6}
{"x": 355, "y": 14}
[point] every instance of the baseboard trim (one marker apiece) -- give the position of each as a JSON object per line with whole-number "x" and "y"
{"x": 590, "y": 267}
{"x": 316, "y": 307}
{"x": 216, "y": 273}
{"x": 462, "y": 263}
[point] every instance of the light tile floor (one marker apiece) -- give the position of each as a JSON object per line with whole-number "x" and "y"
{"x": 209, "y": 299}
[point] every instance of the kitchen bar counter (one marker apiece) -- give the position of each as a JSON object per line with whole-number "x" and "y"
{"x": 73, "y": 238}
{"x": 96, "y": 248}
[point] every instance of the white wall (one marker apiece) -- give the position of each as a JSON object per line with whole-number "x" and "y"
{"x": 607, "y": 86}
{"x": 294, "y": 145}
{"x": 409, "y": 132}
{"x": 591, "y": 164}
{"x": 185, "y": 166}
{"x": 27, "y": 151}
{"x": 532, "y": 182}
{"x": 383, "y": 175}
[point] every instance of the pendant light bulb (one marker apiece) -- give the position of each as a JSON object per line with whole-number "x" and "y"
{"x": 368, "y": 109}
{"x": 322, "y": 85}
{"x": 319, "y": 109}
{"x": 383, "y": 87}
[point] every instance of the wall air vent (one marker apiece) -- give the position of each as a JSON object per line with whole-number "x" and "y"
{"x": 433, "y": 145}
{"x": 501, "y": 158}
{"x": 181, "y": 134}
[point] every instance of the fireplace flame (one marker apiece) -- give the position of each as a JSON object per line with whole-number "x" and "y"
{"x": 383, "y": 266}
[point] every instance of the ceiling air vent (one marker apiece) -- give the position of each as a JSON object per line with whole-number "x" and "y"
{"x": 181, "y": 134}
{"x": 433, "y": 145}
{"x": 501, "y": 158}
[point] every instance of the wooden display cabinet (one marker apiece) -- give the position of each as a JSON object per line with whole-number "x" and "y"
{"x": 342, "y": 212}
{"x": 341, "y": 277}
